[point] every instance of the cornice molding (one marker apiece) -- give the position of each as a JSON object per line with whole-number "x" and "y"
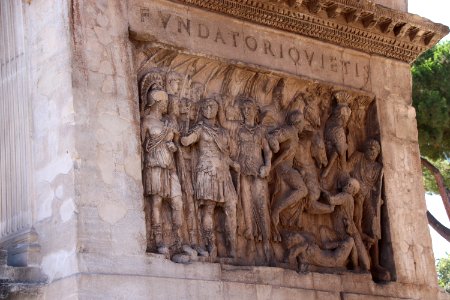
{"x": 358, "y": 24}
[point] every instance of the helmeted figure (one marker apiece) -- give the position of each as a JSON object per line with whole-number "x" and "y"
{"x": 159, "y": 173}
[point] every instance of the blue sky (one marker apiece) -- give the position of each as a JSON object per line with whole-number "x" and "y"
{"x": 437, "y": 11}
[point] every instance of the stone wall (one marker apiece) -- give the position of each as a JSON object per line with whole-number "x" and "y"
{"x": 88, "y": 193}
{"x": 53, "y": 133}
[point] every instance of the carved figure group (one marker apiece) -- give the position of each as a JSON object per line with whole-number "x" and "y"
{"x": 257, "y": 179}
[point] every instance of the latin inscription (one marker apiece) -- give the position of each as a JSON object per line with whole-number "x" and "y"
{"x": 309, "y": 61}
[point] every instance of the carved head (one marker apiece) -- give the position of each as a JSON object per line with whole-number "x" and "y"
{"x": 209, "y": 108}
{"x": 318, "y": 150}
{"x": 157, "y": 99}
{"x": 249, "y": 109}
{"x": 343, "y": 113}
{"x": 196, "y": 91}
{"x": 372, "y": 149}
{"x": 277, "y": 92}
{"x": 152, "y": 81}
{"x": 352, "y": 186}
{"x": 173, "y": 83}
{"x": 185, "y": 106}
{"x": 295, "y": 118}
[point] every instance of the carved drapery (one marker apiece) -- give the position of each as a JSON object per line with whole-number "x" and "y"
{"x": 250, "y": 167}
{"x": 15, "y": 162}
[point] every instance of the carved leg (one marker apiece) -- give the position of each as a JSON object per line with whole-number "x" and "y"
{"x": 156, "y": 224}
{"x": 246, "y": 200}
{"x": 357, "y": 217}
{"x": 231, "y": 226}
{"x": 363, "y": 257}
{"x": 295, "y": 251}
{"x": 262, "y": 205}
{"x": 298, "y": 192}
{"x": 331, "y": 161}
{"x": 208, "y": 227}
{"x": 343, "y": 251}
{"x": 177, "y": 219}
{"x": 354, "y": 257}
{"x": 379, "y": 273}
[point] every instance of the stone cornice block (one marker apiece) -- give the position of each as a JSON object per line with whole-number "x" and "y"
{"x": 358, "y": 24}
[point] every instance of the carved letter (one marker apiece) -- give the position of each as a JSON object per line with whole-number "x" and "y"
{"x": 203, "y": 31}
{"x": 187, "y": 25}
{"x": 234, "y": 34}
{"x": 345, "y": 66}
{"x": 268, "y": 47}
{"x": 164, "y": 18}
{"x": 309, "y": 57}
{"x": 333, "y": 64}
{"x": 366, "y": 74}
{"x": 281, "y": 51}
{"x": 253, "y": 45}
{"x": 294, "y": 55}
{"x": 356, "y": 70}
{"x": 219, "y": 37}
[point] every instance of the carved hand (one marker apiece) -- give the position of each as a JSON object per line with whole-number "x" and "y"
{"x": 185, "y": 141}
{"x": 172, "y": 147}
{"x": 236, "y": 166}
{"x": 264, "y": 171}
{"x": 274, "y": 145}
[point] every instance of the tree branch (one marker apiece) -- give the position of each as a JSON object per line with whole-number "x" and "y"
{"x": 440, "y": 183}
{"x": 441, "y": 229}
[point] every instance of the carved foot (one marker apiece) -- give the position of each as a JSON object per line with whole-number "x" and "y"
{"x": 163, "y": 250}
{"x": 232, "y": 253}
{"x": 380, "y": 274}
{"x": 303, "y": 268}
{"x": 201, "y": 252}
{"x": 276, "y": 236}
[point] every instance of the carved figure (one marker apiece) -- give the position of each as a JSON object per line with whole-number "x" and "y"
{"x": 286, "y": 139}
{"x": 185, "y": 170}
{"x": 151, "y": 81}
{"x": 344, "y": 224}
{"x": 309, "y": 156}
{"x": 336, "y": 132}
{"x": 214, "y": 186}
{"x": 159, "y": 174}
{"x": 173, "y": 88}
{"x": 254, "y": 157}
{"x": 289, "y": 142}
{"x": 303, "y": 247}
{"x": 365, "y": 168}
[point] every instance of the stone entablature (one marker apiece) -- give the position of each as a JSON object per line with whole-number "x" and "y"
{"x": 361, "y": 25}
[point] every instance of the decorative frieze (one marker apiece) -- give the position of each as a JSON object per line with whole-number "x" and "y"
{"x": 361, "y": 25}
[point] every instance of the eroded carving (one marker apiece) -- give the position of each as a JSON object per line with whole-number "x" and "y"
{"x": 246, "y": 167}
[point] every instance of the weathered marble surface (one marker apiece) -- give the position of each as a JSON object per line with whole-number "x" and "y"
{"x": 88, "y": 194}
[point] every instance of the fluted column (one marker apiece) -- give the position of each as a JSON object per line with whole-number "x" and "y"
{"x": 15, "y": 153}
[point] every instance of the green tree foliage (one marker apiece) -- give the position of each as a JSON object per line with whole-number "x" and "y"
{"x": 431, "y": 98}
{"x": 443, "y": 270}
{"x": 429, "y": 181}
